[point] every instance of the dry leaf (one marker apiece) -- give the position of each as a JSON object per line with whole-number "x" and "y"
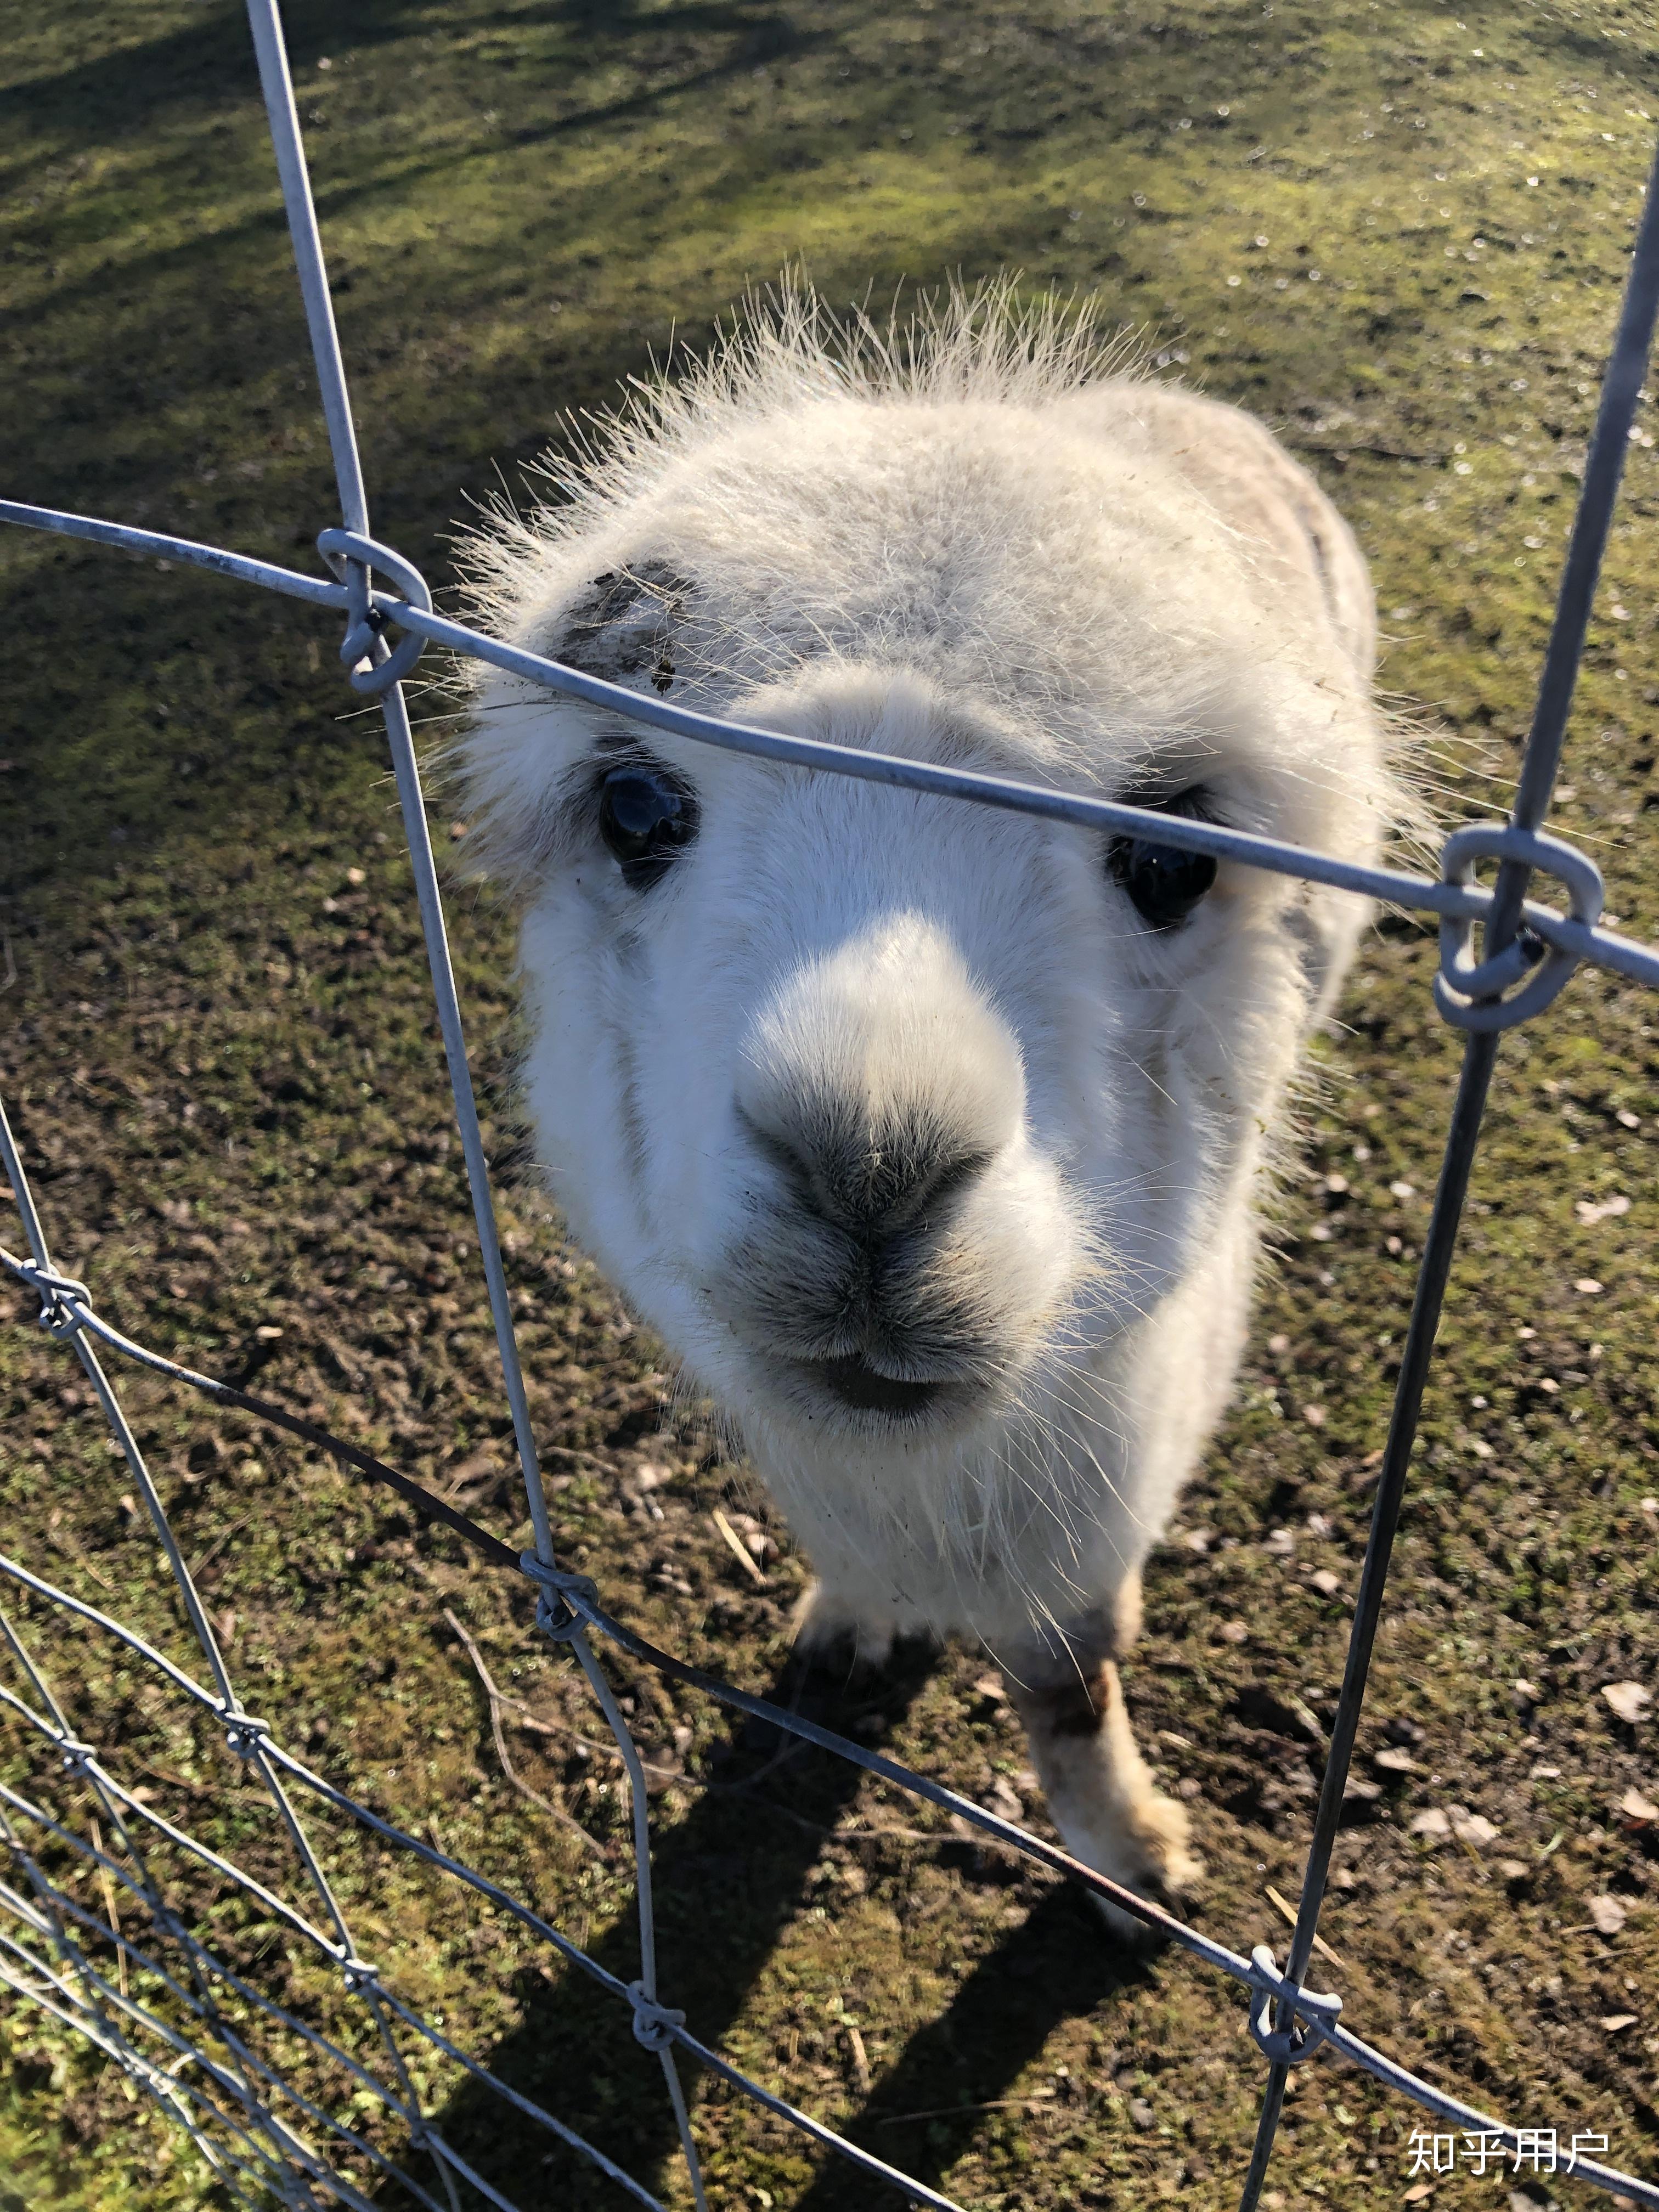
{"x": 1001, "y": 1799}
{"x": 1607, "y": 1914}
{"x": 1325, "y": 1583}
{"x": 1417, "y": 2192}
{"x": 1471, "y": 1828}
{"x": 1628, "y": 1699}
{"x": 1615, "y": 2021}
{"x": 1433, "y": 1824}
{"x": 1395, "y": 1761}
{"x": 1638, "y": 1810}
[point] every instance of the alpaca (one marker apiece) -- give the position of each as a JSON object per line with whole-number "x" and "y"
{"x": 932, "y": 1138}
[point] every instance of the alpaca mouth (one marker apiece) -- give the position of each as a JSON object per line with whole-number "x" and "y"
{"x": 868, "y": 1390}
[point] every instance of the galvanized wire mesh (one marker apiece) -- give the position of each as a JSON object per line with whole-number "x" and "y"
{"x": 109, "y": 1909}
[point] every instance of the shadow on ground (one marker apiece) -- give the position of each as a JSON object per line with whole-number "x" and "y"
{"x": 738, "y": 1864}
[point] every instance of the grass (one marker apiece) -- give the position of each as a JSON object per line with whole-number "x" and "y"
{"x": 1397, "y": 235}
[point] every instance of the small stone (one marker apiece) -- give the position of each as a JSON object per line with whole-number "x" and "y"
{"x": 1587, "y": 1286}
{"x": 1607, "y": 1915}
{"x": 1232, "y": 1631}
{"x": 1325, "y": 1582}
{"x": 1401, "y": 1190}
{"x": 266, "y": 1334}
{"x": 1529, "y": 1691}
{"x": 1514, "y": 1870}
{"x": 1395, "y": 1761}
{"x": 1314, "y": 1416}
{"x": 1278, "y": 1345}
{"x": 1142, "y": 2113}
{"x": 1615, "y": 2023}
{"x": 1433, "y": 1824}
{"x": 1628, "y": 1699}
{"x": 355, "y": 876}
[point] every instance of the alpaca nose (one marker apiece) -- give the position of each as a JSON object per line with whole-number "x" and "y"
{"x": 870, "y": 1179}
{"x": 880, "y": 1081}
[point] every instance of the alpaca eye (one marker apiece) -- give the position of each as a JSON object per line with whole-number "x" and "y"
{"x": 646, "y": 817}
{"x": 1164, "y": 883}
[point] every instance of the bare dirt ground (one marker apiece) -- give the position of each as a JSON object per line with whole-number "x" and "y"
{"x": 1399, "y": 236}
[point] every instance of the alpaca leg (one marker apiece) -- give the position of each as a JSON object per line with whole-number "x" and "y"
{"x": 1101, "y": 1796}
{"x": 831, "y": 1631}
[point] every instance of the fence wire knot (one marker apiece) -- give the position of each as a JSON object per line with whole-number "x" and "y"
{"x": 244, "y": 1732}
{"x": 360, "y": 1974}
{"x": 375, "y": 666}
{"x": 653, "y": 2023}
{"x": 1311, "y": 2019}
{"x": 556, "y": 1584}
{"x": 76, "y": 1755}
{"x": 58, "y": 1295}
{"x": 1469, "y": 993}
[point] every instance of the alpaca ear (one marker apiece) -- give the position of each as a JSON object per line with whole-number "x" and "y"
{"x": 523, "y": 794}
{"x": 626, "y": 626}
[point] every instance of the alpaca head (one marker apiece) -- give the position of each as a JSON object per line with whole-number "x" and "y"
{"x": 894, "y": 1113}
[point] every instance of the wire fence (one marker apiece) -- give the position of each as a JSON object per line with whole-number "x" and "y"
{"x": 297, "y": 2104}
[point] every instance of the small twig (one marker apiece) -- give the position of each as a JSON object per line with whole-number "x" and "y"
{"x": 10, "y": 978}
{"x": 218, "y": 1546}
{"x": 538, "y": 1726}
{"x": 107, "y": 1886}
{"x": 176, "y": 1781}
{"x": 1383, "y": 453}
{"x": 1319, "y": 1942}
{"x": 546, "y": 1804}
{"x": 746, "y": 1558}
{"x": 952, "y": 2111}
{"x": 72, "y": 1551}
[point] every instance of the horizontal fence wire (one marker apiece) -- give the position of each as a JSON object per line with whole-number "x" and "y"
{"x": 187, "y": 2026}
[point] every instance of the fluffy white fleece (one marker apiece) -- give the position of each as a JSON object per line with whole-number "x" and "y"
{"x": 975, "y": 540}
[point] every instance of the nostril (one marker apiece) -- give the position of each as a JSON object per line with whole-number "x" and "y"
{"x": 953, "y": 1176}
{"x": 790, "y": 1159}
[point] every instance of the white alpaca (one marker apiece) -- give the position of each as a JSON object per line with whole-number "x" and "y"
{"x": 929, "y": 1137}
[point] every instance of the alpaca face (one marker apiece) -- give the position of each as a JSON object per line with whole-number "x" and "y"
{"x": 889, "y": 1112}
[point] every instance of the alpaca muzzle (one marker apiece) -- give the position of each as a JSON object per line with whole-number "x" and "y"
{"x": 879, "y": 1100}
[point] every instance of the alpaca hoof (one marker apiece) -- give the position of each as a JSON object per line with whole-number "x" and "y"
{"x": 1156, "y": 1860}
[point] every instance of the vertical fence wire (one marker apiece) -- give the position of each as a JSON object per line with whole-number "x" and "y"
{"x": 1603, "y": 469}
{"x": 225, "y": 2110}
{"x": 277, "y": 86}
